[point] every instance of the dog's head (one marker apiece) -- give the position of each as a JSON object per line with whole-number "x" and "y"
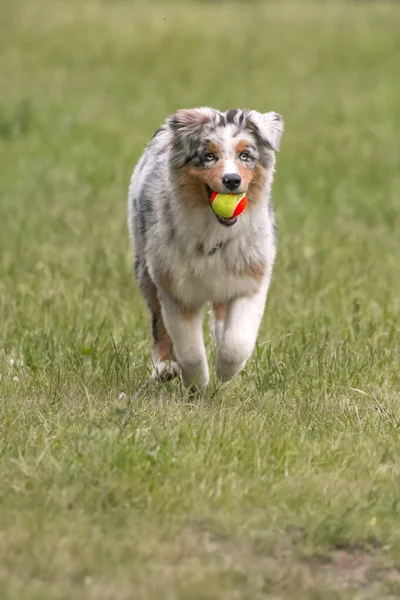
{"x": 227, "y": 152}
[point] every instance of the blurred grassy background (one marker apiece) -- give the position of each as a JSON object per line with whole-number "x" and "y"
{"x": 264, "y": 489}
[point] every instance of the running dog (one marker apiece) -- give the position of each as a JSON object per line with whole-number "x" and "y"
{"x": 186, "y": 255}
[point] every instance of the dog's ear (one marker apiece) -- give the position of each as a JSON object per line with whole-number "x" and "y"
{"x": 269, "y": 126}
{"x": 189, "y": 121}
{"x": 186, "y": 126}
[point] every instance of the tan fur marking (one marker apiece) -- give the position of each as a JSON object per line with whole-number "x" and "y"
{"x": 163, "y": 343}
{"x": 214, "y": 148}
{"x": 241, "y": 147}
{"x": 189, "y": 313}
{"x": 163, "y": 346}
{"x": 191, "y": 187}
{"x": 255, "y": 192}
{"x": 246, "y": 174}
{"x": 219, "y": 309}
{"x": 192, "y": 182}
{"x": 213, "y": 175}
{"x": 257, "y": 270}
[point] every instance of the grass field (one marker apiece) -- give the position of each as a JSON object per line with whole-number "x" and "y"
{"x": 285, "y": 484}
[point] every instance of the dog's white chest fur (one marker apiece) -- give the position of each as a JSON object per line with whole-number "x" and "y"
{"x": 210, "y": 277}
{"x": 210, "y": 262}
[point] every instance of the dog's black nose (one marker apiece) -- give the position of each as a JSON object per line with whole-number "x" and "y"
{"x": 231, "y": 181}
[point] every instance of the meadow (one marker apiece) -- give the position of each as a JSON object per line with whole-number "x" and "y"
{"x": 285, "y": 484}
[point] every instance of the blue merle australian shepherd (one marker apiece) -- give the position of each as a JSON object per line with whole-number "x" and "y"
{"x": 186, "y": 255}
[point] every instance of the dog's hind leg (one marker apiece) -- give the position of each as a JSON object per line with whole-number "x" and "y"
{"x": 164, "y": 366}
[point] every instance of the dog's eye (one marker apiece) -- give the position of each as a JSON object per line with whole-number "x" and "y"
{"x": 209, "y": 156}
{"x": 245, "y": 156}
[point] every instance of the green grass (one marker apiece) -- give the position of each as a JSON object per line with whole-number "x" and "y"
{"x": 285, "y": 484}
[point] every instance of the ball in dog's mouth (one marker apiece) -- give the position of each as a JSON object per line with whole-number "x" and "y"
{"x": 224, "y": 220}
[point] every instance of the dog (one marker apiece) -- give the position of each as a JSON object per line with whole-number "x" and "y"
{"x": 186, "y": 255}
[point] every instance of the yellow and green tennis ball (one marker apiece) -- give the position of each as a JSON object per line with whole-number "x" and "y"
{"x": 228, "y": 205}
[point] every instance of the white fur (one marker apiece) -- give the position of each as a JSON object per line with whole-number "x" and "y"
{"x": 164, "y": 370}
{"x": 218, "y": 330}
{"x": 271, "y": 126}
{"x": 240, "y": 331}
{"x": 230, "y": 167}
{"x": 187, "y": 334}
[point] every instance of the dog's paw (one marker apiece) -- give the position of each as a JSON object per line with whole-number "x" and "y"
{"x": 195, "y": 375}
{"x": 165, "y": 370}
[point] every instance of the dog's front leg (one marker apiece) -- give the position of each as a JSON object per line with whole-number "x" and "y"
{"x": 242, "y": 321}
{"x": 185, "y": 326}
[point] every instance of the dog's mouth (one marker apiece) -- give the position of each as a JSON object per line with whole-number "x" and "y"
{"x": 226, "y": 222}
{"x": 208, "y": 192}
{"x": 223, "y": 220}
